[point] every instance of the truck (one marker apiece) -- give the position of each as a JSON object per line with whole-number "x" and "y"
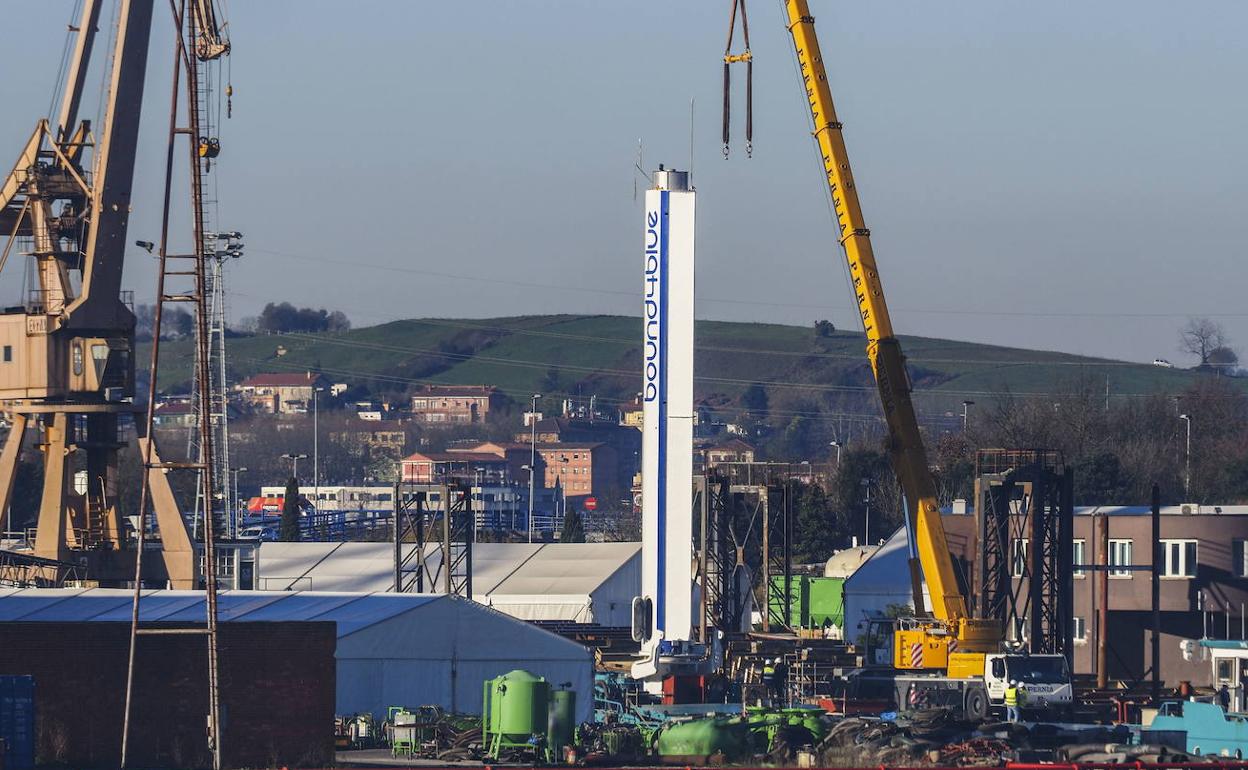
{"x": 1046, "y": 679}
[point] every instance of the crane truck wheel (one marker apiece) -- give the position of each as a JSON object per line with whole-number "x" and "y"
{"x": 976, "y": 708}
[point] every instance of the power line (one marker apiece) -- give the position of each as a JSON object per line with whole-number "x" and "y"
{"x": 546, "y": 365}
{"x": 761, "y": 303}
{"x": 860, "y": 357}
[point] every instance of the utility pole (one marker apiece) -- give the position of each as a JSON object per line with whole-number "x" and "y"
{"x": 236, "y": 500}
{"x": 294, "y": 463}
{"x": 1102, "y": 616}
{"x": 532, "y": 458}
{"x": 965, "y": 412}
{"x": 1187, "y": 459}
{"x": 837, "y": 446}
{"x": 316, "y": 444}
{"x": 1156, "y": 590}
{"x": 866, "y": 524}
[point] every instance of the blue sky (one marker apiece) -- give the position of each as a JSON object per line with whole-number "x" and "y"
{"x": 1057, "y": 175}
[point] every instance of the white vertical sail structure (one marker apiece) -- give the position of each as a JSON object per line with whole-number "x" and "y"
{"x": 664, "y": 621}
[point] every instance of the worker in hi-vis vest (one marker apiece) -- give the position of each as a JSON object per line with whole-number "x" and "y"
{"x": 1011, "y": 701}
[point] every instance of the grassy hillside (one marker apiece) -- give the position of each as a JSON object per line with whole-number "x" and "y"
{"x": 601, "y": 355}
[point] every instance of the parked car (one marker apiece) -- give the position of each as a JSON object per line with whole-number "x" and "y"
{"x": 1163, "y": 363}
{"x": 261, "y": 533}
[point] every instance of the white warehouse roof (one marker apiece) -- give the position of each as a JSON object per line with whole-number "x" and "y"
{"x": 580, "y": 582}
{"x": 393, "y": 649}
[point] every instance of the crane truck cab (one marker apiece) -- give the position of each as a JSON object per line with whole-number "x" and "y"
{"x": 1046, "y": 680}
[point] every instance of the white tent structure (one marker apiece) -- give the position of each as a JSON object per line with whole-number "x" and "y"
{"x": 393, "y": 649}
{"x": 882, "y": 580}
{"x": 575, "y": 582}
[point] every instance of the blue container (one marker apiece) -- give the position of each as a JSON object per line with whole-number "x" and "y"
{"x": 17, "y": 721}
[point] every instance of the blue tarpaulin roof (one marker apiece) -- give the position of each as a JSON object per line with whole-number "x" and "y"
{"x": 351, "y": 611}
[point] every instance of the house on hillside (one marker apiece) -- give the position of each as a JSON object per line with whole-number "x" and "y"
{"x": 280, "y": 392}
{"x": 386, "y": 436}
{"x": 453, "y": 404}
{"x": 732, "y": 450}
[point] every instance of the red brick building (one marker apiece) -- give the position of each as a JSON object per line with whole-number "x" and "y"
{"x": 453, "y": 404}
{"x": 581, "y": 469}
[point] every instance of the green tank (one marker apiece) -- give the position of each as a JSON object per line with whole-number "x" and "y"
{"x": 561, "y": 723}
{"x": 695, "y": 741}
{"x": 514, "y": 712}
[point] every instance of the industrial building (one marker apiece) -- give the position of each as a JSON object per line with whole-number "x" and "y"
{"x": 391, "y": 649}
{"x": 1204, "y": 582}
{"x": 576, "y": 582}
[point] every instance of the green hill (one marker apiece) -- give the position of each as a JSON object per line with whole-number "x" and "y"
{"x": 571, "y": 354}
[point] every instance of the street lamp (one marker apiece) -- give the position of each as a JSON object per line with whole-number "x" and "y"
{"x": 1187, "y": 459}
{"x": 529, "y": 525}
{"x": 316, "y": 445}
{"x": 532, "y": 458}
{"x": 965, "y": 404}
{"x": 837, "y": 446}
{"x": 294, "y": 464}
{"x": 234, "y": 472}
{"x": 481, "y": 496}
{"x": 866, "y": 523}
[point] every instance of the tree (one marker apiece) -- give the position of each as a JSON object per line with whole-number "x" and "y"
{"x": 819, "y": 529}
{"x": 754, "y": 399}
{"x": 1223, "y": 359}
{"x": 573, "y": 528}
{"x": 824, "y": 328}
{"x": 288, "y": 531}
{"x": 1200, "y": 337}
{"x": 278, "y": 318}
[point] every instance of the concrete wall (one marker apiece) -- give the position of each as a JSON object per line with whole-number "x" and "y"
{"x": 277, "y": 693}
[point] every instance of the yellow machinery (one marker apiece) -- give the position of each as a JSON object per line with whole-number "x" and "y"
{"x": 67, "y": 369}
{"x": 951, "y": 639}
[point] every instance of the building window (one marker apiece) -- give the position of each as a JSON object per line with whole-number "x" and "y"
{"x": 1225, "y": 670}
{"x": 1178, "y": 558}
{"x": 1079, "y": 630}
{"x": 1120, "y": 558}
{"x": 8, "y": 353}
{"x": 1076, "y": 559}
{"x": 1018, "y": 558}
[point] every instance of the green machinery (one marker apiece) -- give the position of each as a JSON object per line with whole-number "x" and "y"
{"x": 812, "y": 600}
{"x": 702, "y": 741}
{"x": 412, "y": 730}
{"x": 522, "y": 714}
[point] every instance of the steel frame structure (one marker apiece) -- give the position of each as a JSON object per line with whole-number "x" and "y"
{"x": 1025, "y": 522}
{"x": 449, "y": 525}
{"x": 743, "y": 538}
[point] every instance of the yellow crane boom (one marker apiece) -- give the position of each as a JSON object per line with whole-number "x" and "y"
{"x": 905, "y": 442}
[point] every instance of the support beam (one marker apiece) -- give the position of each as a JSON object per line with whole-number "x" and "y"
{"x": 51, "y": 540}
{"x": 175, "y": 537}
{"x": 8, "y": 465}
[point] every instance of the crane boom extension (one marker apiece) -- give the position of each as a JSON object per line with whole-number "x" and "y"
{"x": 905, "y": 443}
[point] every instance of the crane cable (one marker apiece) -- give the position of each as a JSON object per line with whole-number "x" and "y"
{"x": 729, "y": 59}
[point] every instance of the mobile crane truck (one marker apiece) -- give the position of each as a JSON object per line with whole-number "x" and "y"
{"x": 948, "y": 657}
